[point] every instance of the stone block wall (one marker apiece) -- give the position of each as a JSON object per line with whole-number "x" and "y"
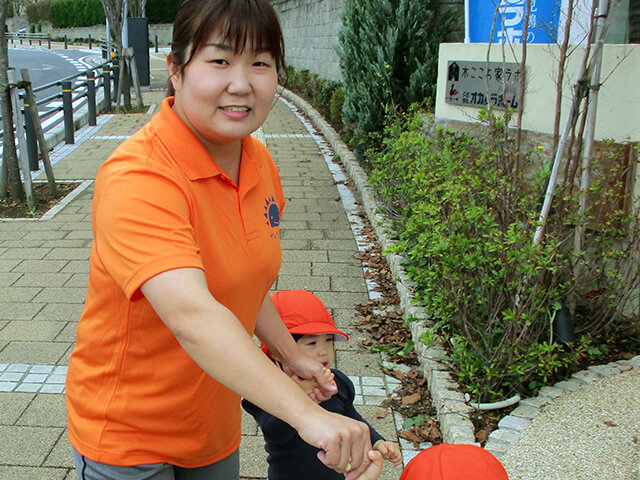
{"x": 310, "y": 29}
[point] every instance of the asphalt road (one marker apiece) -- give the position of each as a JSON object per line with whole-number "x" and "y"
{"x": 48, "y": 66}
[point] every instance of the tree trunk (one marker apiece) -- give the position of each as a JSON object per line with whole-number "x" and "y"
{"x": 603, "y": 21}
{"x": 9, "y": 154}
{"x": 114, "y": 12}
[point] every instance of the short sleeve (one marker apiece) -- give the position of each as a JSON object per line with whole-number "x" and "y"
{"x": 142, "y": 226}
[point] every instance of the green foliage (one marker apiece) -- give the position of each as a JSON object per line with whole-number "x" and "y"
{"x": 465, "y": 218}
{"x": 326, "y": 96}
{"x": 76, "y": 13}
{"x": 39, "y": 11}
{"x": 162, "y": 11}
{"x": 335, "y": 105}
{"x": 388, "y": 57}
{"x": 414, "y": 421}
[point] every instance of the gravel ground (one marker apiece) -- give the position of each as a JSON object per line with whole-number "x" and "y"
{"x": 590, "y": 434}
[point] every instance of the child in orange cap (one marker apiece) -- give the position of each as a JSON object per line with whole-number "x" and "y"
{"x": 444, "y": 462}
{"x": 314, "y": 330}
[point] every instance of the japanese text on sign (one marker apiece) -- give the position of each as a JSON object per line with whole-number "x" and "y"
{"x": 476, "y": 84}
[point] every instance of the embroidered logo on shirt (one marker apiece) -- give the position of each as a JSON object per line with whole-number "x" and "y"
{"x": 272, "y": 212}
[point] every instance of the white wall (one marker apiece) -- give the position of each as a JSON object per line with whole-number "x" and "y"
{"x": 619, "y": 98}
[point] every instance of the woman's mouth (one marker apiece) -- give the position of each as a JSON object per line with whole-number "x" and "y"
{"x": 235, "y": 108}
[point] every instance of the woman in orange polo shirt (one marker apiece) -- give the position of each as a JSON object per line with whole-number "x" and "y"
{"x": 186, "y": 245}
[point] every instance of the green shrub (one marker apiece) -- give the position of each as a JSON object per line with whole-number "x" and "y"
{"x": 465, "y": 218}
{"x": 39, "y": 11}
{"x": 320, "y": 92}
{"x": 76, "y": 13}
{"x": 162, "y": 11}
{"x": 389, "y": 58}
{"x": 335, "y": 105}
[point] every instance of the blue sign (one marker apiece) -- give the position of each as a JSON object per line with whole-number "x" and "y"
{"x": 509, "y": 27}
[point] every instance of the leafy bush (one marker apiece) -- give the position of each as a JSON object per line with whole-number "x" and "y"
{"x": 162, "y": 11}
{"x": 76, "y": 13}
{"x": 335, "y": 105}
{"x": 465, "y": 219}
{"x": 39, "y": 11}
{"x": 320, "y": 92}
{"x": 388, "y": 57}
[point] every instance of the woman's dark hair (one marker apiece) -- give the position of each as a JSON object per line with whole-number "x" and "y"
{"x": 243, "y": 24}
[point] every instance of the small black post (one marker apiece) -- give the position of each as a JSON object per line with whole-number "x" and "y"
{"x": 65, "y": 41}
{"x": 116, "y": 75}
{"x": 89, "y": 41}
{"x": 91, "y": 97}
{"x": 67, "y": 109}
{"x": 49, "y": 40}
{"x": 156, "y": 43}
{"x": 106, "y": 84}
{"x": 32, "y": 141}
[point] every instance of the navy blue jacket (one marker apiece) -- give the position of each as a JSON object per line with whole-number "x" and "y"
{"x": 289, "y": 457}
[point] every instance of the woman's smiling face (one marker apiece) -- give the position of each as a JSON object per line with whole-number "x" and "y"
{"x": 224, "y": 94}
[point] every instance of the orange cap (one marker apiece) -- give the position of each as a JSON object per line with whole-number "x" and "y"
{"x": 304, "y": 314}
{"x": 454, "y": 462}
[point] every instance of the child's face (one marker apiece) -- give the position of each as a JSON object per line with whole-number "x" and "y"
{"x": 318, "y": 348}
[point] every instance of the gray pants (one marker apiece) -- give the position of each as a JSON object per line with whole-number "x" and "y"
{"x": 226, "y": 469}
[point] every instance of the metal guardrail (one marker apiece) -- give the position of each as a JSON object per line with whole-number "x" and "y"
{"x": 24, "y": 38}
{"x": 74, "y": 94}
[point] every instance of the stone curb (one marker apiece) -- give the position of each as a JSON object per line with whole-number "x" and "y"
{"x": 511, "y": 426}
{"x": 453, "y": 412}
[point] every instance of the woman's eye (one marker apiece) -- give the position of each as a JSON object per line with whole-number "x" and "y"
{"x": 219, "y": 61}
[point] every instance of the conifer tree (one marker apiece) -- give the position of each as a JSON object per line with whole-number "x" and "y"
{"x": 389, "y": 58}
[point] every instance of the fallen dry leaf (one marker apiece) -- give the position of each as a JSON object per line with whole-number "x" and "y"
{"x": 411, "y": 399}
{"x": 410, "y": 436}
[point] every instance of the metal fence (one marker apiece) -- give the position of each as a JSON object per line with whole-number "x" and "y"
{"x": 91, "y": 89}
{"x": 23, "y": 38}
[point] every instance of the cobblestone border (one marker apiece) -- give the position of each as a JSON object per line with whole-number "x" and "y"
{"x": 453, "y": 412}
{"x": 511, "y": 426}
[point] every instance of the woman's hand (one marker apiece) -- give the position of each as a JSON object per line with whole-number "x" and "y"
{"x": 374, "y": 470}
{"x": 312, "y": 387}
{"x": 306, "y": 369}
{"x": 344, "y": 442}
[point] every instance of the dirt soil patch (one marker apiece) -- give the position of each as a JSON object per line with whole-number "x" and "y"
{"x": 45, "y": 201}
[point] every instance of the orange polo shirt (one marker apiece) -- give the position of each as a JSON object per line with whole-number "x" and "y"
{"x": 160, "y": 202}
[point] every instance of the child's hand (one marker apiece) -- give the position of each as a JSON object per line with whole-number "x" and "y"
{"x": 390, "y": 451}
{"x": 311, "y": 386}
{"x": 374, "y": 470}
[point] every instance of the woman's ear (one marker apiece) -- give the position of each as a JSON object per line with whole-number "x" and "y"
{"x": 174, "y": 73}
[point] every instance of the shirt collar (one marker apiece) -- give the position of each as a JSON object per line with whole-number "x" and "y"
{"x": 190, "y": 153}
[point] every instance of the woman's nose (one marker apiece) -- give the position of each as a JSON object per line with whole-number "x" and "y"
{"x": 239, "y": 83}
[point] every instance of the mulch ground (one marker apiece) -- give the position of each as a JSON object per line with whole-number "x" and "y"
{"x": 45, "y": 200}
